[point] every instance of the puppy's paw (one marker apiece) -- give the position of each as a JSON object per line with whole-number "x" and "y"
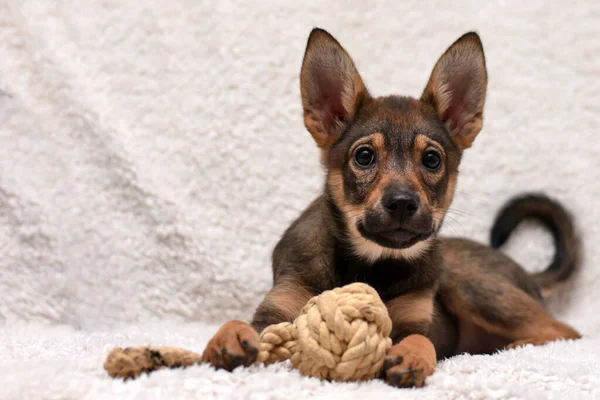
{"x": 405, "y": 368}
{"x": 235, "y": 344}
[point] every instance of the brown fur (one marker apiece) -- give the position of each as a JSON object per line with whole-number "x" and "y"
{"x": 488, "y": 290}
{"x": 377, "y": 221}
{"x": 283, "y": 303}
{"x": 411, "y": 313}
{"x": 289, "y": 299}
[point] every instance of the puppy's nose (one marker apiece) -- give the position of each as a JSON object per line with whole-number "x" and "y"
{"x": 401, "y": 205}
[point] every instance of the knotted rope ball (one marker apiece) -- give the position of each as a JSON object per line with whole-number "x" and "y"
{"x": 342, "y": 335}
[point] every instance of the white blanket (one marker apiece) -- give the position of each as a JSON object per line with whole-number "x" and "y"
{"x": 152, "y": 153}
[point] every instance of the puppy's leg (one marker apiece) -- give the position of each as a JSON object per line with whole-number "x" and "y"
{"x": 409, "y": 362}
{"x": 237, "y": 342}
{"x": 499, "y": 307}
{"x": 413, "y": 357}
{"x": 282, "y": 304}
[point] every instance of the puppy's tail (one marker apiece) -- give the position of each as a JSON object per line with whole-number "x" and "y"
{"x": 553, "y": 215}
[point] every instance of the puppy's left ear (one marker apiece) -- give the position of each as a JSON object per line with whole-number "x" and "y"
{"x": 457, "y": 88}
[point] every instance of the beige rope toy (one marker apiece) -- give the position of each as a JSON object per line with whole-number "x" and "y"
{"x": 342, "y": 335}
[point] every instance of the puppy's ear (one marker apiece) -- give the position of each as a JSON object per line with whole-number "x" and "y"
{"x": 331, "y": 88}
{"x": 457, "y": 88}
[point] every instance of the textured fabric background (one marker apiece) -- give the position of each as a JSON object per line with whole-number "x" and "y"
{"x": 153, "y": 152}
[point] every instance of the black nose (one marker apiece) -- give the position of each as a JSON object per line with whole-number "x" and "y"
{"x": 401, "y": 205}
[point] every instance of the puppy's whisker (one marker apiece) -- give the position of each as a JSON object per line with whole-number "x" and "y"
{"x": 446, "y": 223}
{"x": 462, "y": 213}
{"x": 454, "y": 220}
{"x": 469, "y": 195}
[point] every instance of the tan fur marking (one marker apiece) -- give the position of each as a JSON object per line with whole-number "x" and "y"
{"x": 235, "y": 339}
{"x": 336, "y": 183}
{"x": 412, "y": 307}
{"x": 418, "y": 346}
{"x": 372, "y": 251}
{"x": 449, "y": 196}
{"x": 410, "y": 362}
{"x": 421, "y": 143}
{"x": 289, "y": 298}
{"x": 379, "y": 145}
{"x": 438, "y": 214}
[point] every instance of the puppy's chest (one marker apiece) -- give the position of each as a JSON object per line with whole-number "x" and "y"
{"x": 391, "y": 278}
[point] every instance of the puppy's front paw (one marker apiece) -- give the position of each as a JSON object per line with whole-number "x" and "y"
{"x": 235, "y": 344}
{"x": 406, "y": 368}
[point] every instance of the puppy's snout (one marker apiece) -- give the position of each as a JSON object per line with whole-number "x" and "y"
{"x": 402, "y": 205}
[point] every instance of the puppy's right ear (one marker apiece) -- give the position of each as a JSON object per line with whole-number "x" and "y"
{"x": 457, "y": 88}
{"x": 331, "y": 88}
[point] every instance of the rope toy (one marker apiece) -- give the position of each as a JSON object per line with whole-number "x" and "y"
{"x": 342, "y": 335}
{"x": 131, "y": 362}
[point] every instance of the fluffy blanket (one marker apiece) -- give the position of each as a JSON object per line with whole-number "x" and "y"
{"x": 152, "y": 152}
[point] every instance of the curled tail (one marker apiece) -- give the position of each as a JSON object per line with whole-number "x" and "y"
{"x": 557, "y": 220}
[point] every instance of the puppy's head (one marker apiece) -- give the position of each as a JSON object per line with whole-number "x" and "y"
{"x": 392, "y": 161}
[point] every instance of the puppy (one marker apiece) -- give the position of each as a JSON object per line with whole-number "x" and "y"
{"x": 392, "y": 164}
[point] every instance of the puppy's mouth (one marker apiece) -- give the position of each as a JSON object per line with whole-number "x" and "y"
{"x": 397, "y": 238}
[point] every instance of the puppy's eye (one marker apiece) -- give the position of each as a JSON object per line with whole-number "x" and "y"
{"x": 364, "y": 156}
{"x": 432, "y": 160}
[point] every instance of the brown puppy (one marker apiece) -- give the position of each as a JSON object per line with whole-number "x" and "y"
{"x": 391, "y": 165}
